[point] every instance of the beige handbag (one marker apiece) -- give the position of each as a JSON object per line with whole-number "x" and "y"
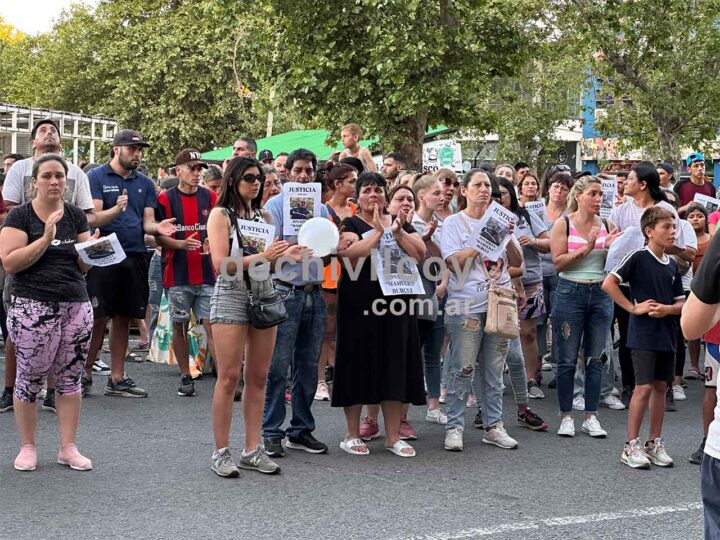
{"x": 502, "y": 314}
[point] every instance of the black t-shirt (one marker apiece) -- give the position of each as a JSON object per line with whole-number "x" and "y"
{"x": 706, "y": 283}
{"x": 651, "y": 278}
{"x": 56, "y": 276}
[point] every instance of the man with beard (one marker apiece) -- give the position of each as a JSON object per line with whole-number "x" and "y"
{"x": 392, "y": 165}
{"x": 45, "y": 139}
{"x": 125, "y": 202}
{"x": 279, "y": 165}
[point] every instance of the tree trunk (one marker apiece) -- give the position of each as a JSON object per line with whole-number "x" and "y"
{"x": 669, "y": 148}
{"x": 410, "y": 139}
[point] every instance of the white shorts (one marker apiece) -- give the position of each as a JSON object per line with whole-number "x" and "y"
{"x": 712, "y": 364}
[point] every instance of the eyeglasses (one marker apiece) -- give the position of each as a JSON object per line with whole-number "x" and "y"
{"x": 251, "y": 178}
{"x": 450, "y": 182}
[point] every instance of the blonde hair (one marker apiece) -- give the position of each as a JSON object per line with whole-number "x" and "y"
{"x": 579, "y": 187}
{"x": 417, "y": 177}
{"x": 423, "y": 183}
{"x": 443, "y": 173}
{"x": 354, "y": 129}
{"x": 508, "y": 166}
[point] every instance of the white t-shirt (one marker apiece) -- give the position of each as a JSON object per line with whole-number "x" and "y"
{"x": 473, "y": 292}
{"x": 18, "y": 182}
{"x": 629, "y": 214}
{"x": 690, "y": 241}
{"x": 712, "y": 443}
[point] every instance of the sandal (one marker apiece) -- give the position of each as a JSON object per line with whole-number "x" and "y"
{"x": 350, "y": 445}
{"x": 693, "y": 375}
{"x": 398, "y": 448}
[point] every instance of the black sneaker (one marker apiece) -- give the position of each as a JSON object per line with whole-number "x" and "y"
{"x": 478, "y": 422}
{"x": 329, "y": 373}
{"x": 125, "y": 387}
{"x": 274, "y": 447}
{"x": 531, "y": 420}
{"x": 48, "y": 403}
{"x": 626, "y": 396}
{"x": 187, "y": 386}
{"x": 670, "y": 401}
{"x": 305, "y": 441}
{"x": 6, "y": 400}
{"x": 85, "y": 385}
{"x": 697, "y": 456}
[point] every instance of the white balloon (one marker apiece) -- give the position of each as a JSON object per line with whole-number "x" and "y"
{"x": 320, "y": 235}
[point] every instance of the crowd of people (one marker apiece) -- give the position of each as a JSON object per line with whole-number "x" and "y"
{"x": 184, "y": 237}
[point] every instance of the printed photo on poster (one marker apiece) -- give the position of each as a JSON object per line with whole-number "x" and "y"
{"x": 609, "y": 195}
{"x": 300, "y": 203}
{"x": 537, "y": 208}
{"x": 103, "y": 251}
{"x": 396, "y": 271}
{"x": 711, "y": 204}
{"x": 493, "y": 232}
{"x": 255, "y": 236}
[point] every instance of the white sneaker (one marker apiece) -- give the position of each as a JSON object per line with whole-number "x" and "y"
{"x": 443, "y": 393}
{"x": 534, "y": 391}
{"x": 655, "y": 452}
{"x": 471, "y": 402}
{"x": 100, "y": 368}
{"x": 546, "y": 366}
{"x": 592, "y": 427}
{"x": 615, "y": 392}
{"x": 567, "y": 427}
{"x": 322, "y": 393}
{"x": 678, "y": 393}
{"x": 579, "y": 403}
{"x": 454, "y": 439}
{"x": 498, "y": 436}
{"x": 436, "y": 416}
{"x": 633, "y": 455}
{"x": 612, "y": 402}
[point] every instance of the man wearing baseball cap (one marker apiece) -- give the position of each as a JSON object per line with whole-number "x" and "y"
{"x": 125, "y": 203}
{"x": 666, "y": 171}
{"x": 697, "y": 183}
{"x": 266, "y": 157}
{"x": 188, "y": 275}
{"x": 44, "y": 139}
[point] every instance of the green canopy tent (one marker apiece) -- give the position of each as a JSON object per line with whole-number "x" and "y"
{"x": 312, "y": 139}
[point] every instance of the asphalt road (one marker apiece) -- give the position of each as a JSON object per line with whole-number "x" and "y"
{"x": 152, "y": 479}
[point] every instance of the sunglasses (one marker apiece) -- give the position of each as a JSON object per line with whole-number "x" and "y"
{"x": 450, "y": 182}
{"x": 251, "y": 178}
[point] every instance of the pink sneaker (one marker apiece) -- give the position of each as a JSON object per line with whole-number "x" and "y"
{"x": 26, "y": 460}
{"x": 369, "y": 429}
{"x": 406, "y": 431}
{"x": 69, "y": 455}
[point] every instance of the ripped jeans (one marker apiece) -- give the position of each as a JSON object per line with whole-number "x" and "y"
{"x": 581, "y": 316}
{"x": 471, "y": 351}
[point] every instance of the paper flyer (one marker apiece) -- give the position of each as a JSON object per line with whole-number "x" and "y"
{"x": 300, "y": 203}
{"x": 493, "y": 232}
{"x": 711, "y": 204}
{"x": 609, "y": 195}
{"x": 255, "y": 236}
{"x": 630, "y": 240}
{"x": 537, "y": 208}
{"x": 396, "y": 271}
{"x": 103, "y": 251}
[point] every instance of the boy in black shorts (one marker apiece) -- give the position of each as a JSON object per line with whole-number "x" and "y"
{"x": 657, "y": 292}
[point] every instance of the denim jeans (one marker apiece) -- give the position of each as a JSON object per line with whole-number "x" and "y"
{"x": 432, "y": 334}
{"x": 471, "y": 352}
{"x": 155, "y": 284}
{"x": 516, "y": 367}
{"x": 549, "y": 286}
{"x": 608, "y": 372}
{"x": 581, "y": 316}
{"x": 297, "y": 347}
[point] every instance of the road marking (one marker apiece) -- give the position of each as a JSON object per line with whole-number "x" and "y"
{"x": 558, "y": 522}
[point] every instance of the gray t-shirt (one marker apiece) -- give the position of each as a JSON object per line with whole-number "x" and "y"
{"x": 18, "y": 183}
{"x": 533, "y": 264}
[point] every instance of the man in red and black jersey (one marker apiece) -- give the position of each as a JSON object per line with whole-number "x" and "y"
{"x": 188, "y": 274}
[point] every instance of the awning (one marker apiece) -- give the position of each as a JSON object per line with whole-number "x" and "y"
{"x": 312, "y": 139}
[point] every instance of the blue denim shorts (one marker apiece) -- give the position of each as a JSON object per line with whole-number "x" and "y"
{"x": 184, "y": 299}
{"x": 228, "y": 304}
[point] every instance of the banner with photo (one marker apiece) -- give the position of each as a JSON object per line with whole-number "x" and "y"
{"x": 396, "y": 271}
{"x": 300, "y": 203}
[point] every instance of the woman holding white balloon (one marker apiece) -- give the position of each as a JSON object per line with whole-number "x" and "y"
{"x": 378, "y": 350}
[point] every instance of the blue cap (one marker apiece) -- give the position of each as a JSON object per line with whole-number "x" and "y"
{"x": 692, "y": 158}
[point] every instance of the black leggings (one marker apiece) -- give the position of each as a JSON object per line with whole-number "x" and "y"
{"x": 626, "y": 365}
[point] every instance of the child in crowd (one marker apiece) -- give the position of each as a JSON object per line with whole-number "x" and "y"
{"x": 657, "y": 294}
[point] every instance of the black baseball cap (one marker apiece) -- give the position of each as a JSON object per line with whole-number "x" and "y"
{"x": 128, "y": 137}
{"x": 666, "y": 167}
{"x": 189, "y": 156}
{"x": 265, "y": 155}
{"x": 40, "y": 123}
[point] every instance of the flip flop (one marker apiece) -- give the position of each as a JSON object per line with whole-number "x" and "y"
{"x": 398, "y": 447}
{"x": 349, "y": 446}
{"x": 693, "y": 375}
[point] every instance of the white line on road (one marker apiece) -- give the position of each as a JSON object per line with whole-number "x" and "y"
{"x": 558, "y": 522}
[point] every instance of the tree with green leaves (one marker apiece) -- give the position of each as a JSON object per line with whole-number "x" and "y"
{"x": 655, "y": 61}
{"x": 396, "y": 68}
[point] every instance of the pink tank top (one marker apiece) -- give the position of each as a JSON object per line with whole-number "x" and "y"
{"x": 576, "y": 242}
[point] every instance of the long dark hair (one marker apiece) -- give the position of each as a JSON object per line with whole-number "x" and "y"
{"x": 229, "y": 197}
{"x": 646, "y": 172}
{"x": 515, "y": 207}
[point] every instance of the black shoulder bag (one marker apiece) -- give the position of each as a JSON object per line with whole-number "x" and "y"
{"x": 262, "y": 312}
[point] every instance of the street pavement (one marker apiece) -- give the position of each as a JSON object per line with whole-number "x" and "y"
{"x": 152, "y": 479}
